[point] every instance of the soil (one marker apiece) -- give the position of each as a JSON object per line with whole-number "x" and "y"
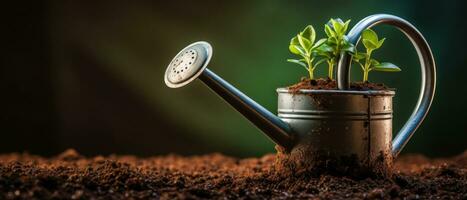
{"x": 310, "y": 162}
{"x": 328, "y": 84}
{"x": 72, "y": 176}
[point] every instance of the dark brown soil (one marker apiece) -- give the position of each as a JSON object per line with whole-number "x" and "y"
{"x": 328, "y": 84}
{"x": 71, "y": 176}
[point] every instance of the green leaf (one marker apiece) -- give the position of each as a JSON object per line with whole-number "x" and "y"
{"x": 337, "y": 25}
{"x": 297, "y": 49}
{"x": 346, "y": 26}
{"x": 380, "y": 43}
{"x": 294, "y": 41}
{"x": 374, "y": 62}
{"x": 348, "y": 47}
{"x": 370, "y": 35}
{"x": 386, "y": 67}
{"x": 320, "y": 61}
{"x": 309, "y": 33}
{"x": 319, "y": 43}
{"x": 332, "y": 41}
{"x": 326, "y": 55}
{"x": 305, "y": 43}
{"x": 329, "y": 32}
{"x": 336, "y": 20}
{"x": 358, "y": 56}
{"x": 369, "y": 44}
{"x": 325, "y": 48}
{"x": 297, "y": 62}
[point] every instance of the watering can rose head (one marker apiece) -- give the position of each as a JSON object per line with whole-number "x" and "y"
{"x": 329, "y": 49}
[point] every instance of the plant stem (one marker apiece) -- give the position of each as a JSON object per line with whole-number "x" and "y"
{"x": 366, "y": 70}
{"x": 330, "y": 68}
{"x": 365, "y": 75}
{"x": 311, "y": 69}
{"x": 309, "y": 61}
{"x": 332, "y": 61}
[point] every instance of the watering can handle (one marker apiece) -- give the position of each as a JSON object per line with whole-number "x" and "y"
{"x": 428, "y": 69}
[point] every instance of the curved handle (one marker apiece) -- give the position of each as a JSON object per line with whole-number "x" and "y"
{"x": 427, "y": 64}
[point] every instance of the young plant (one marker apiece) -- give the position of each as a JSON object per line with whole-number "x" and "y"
{"x": 304, "y": 46}
{"x": 371, "y": 42}
{"x": 336, "y": 43}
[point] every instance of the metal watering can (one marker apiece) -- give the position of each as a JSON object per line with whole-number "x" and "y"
{"x": 344, "y": 130}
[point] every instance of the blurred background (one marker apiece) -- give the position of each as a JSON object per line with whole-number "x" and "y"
{"x": 89, "y": 75}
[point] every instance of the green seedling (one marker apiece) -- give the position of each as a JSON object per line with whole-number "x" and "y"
{"x": 304, "y": 46}
{"x": 371, "y": 42}
{"x": 336, "y": 43}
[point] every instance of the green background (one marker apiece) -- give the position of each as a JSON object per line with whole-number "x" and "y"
{"x": 90, "y": 75}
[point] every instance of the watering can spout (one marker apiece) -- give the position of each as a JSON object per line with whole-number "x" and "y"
{"x": 270, "y": 124}
{"x": 191, "y": 64}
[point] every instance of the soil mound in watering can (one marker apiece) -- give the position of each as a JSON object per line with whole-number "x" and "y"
{"x": 328, "y": 84}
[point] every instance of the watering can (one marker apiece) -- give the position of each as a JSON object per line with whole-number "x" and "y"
{"x": 347, "y": 129}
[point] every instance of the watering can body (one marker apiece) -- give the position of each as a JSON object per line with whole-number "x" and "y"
{"x": 349, "y": 131}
